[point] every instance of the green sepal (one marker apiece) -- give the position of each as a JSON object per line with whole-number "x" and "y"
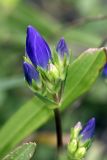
{"x": 26, "y": 59}
{"x": 72, "y": 146}
{"x": 45, "y": 99}
{"x": 55, "y": 57}
{"x": 86, "y": 143}
{"x": 80, "y": 153}
{"x": 57, "y": 85}
{"x": 36, "y": 85}
{"x": 43, "y": 73}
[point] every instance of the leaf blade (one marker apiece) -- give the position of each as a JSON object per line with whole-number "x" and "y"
{"x": 23, "y": 152}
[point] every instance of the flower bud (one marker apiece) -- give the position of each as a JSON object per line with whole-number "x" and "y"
{"x": 88, "y": 130}
{"x": 81, "y": 139}
{"x": 72, "y": 146}
{"x": 75, "y": 131}
{"x": 53, "y": 71}
{"x": 80, "y": 153}
{"x": 62, "y": 48}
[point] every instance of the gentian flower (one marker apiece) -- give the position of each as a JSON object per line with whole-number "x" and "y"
{"x": 62, "y": 48}
{"x": 88, "y": 130}
{"x": 43, "y": 67}
{"x": 30, "y": 73}
{"x": 37, "y": 48}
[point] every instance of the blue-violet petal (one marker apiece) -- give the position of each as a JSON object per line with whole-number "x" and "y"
{"x": 37, "y": 48}
{"x": 30, "y": 73}
{"x": 62, "y": 48}
{"x": 104, "y": 72}
{"x": 88, "y": 130}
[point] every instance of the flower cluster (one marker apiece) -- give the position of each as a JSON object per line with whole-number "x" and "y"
{"x": 81, "y": 139}
{"x": 45, "y": 71}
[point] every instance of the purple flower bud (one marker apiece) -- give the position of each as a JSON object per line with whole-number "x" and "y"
{"x": 78, "y": 126}
{"x": 30, "y": 73}
{"x": 62, "y": 48}
{"x": 104, "y": 72}
{"x": 88, "y": 130}
{"x": 37, "y": 49}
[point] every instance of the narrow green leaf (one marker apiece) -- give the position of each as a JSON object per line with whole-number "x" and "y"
{"x": 23, "y": 152}
{"x": 81, "y": 75}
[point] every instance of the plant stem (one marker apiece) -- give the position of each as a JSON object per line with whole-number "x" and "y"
{"x": 58, "y": 128}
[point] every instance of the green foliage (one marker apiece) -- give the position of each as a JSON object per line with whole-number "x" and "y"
{"x": 23, "y": 152}
{"x": 81, "y": 75}
{"x": 15, "y": 16}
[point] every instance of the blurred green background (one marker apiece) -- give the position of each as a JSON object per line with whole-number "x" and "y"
{"x": 83, "y": 23}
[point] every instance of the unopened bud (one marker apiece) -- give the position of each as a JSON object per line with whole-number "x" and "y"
{"x": 53, "y": 70}
{"x": 72, "y": 146}
{"x": 88, "y": 130}
{"x": 80, "y": 153}
{"x": 76, "y": 130}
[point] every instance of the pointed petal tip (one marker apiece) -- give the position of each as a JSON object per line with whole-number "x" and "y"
{"x": 92, "y": 121}
{"x": 78, "y": 125}
{"x": 29, "y": 26}
{"x": 31, "y": 29}
{"x": 62, "y": 38}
